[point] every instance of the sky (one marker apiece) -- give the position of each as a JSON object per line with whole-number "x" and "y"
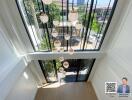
{"x": 100, "y": 2}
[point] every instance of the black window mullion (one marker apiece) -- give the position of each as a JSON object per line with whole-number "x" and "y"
{"x": 46, "y": 27}
{"x": 44, "y": 37}
{"x": 87, "y": 27}
{"x": 54, "y": 62}
{"x": 67, "y": 21}
{"x": 102, "y": 26}
{"x": 91, "y": 23}
{"x": 43, "y": 70}
{"x": 108, "y": 23}
{"x": 82, "y": 33}
{"x": 90, "y": 69}
{"x": 30, "y": 24}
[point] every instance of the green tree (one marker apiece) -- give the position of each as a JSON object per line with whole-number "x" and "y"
{"x": 54, "y": 11}
{"x": 58, "y": 63}
{"x": 44, "y": 44}
{"x": 95, "y": 26}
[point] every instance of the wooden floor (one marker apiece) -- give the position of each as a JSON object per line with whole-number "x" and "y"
{"x": 68, "y": 91}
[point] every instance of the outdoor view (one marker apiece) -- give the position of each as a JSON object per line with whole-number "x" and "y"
{"x": 64, "y": 24}
{"x": 77, "y": 70}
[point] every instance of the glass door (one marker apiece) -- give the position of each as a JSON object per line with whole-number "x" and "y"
{"x": 85, "y": 69}
{"x": 49, "y": 70}
{"x": 71, "y": 71}
{"x": 78, "y": 70}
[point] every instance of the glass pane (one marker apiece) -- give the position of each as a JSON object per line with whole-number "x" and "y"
{"x": 85, "y": 66}
{"x": 84, "y": 26}
{"x": 71, "y": 71}
{"x": 49, "y": 70}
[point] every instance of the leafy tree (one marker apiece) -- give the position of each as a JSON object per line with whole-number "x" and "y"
{"x": 95, "y": 26}
{"x": 49, "y": 66}
{"x": 44, "y": 44}
{"x": 54, "y": 11}
{"x": 58, "y": 63}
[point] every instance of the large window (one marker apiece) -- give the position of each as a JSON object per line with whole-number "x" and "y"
{"x": 77, "y": 71}
{"x": 64, "y": 24}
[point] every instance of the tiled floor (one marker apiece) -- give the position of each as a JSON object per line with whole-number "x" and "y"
{"x": 67, "y": 91}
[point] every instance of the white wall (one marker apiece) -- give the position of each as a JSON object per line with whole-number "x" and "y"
{"x": 12, "y": 83}
{"x": 14, "y": 42}
{"x": 25, "y": 88}
{"x": 117, "y": 62}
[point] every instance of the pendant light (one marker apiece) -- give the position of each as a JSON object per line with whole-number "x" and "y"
{"x": 47, "y": 2}
{"x": 44, "y": 18}
{"x": 73, "y": 15}
{"x": 66, "y": 64}
{"x": 54, "y": 49}
{"x": 56, "y": 23}
{"x": 78, "y": 25}
{"x": 61, "y": 49}
{"x": 61, "y": 69}
{"x": 54, "y": 33}
{"x": 67, "y": 36}
{"x": 61, "y": 59}
{"x": 71, "y": 51}
{"x": 57, "y": 43}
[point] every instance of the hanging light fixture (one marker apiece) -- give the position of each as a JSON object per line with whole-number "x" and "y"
{"x": 61, "y": 69}
{"x": 43, "y": 17}
{"x": 71, "y": 51}
{"x": 66, "y": 64}
{"x": 67, "y": 36}
{"x": 73, "y": 15}
{"x": 57, "y": 43}
{"x": 54, "y": 49}
{"x": 61, "y": 49}
{"x": 78, "y": 25}
{"x": 47, "y": 2}
{"x": 56, "y": 23}
{"x": 61, "y": 58}
{"x": 54, "y": 33}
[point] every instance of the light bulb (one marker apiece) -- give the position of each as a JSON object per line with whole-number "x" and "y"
{"x": 57, "y": 43}
{"x": 61, "y": 69}
{"x": 66, "y": 64}
{"x": 61, "y": 49}
{"x": 56, "y": 23}
{"x": 47, "y": 2}
{"x": 78, "y": 25}
{"x": 61, "y": 59}
{"x": 73, "y": 15}
{"x": 44, "y": 18}
{"x": 54, "y": 50}
{"x": 54, "y": 34}
{"x": 67, "y": 36}
{"x": 71, "y": 51}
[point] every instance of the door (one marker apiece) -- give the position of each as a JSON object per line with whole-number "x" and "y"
{"x": 49, "y": 70}
{"x": 85, "y": 69}
{"x": 78, "y": 70}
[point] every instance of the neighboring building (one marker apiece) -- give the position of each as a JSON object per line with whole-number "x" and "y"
{"x": 80, "y": 2}
{"x": 101, "y": 12}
